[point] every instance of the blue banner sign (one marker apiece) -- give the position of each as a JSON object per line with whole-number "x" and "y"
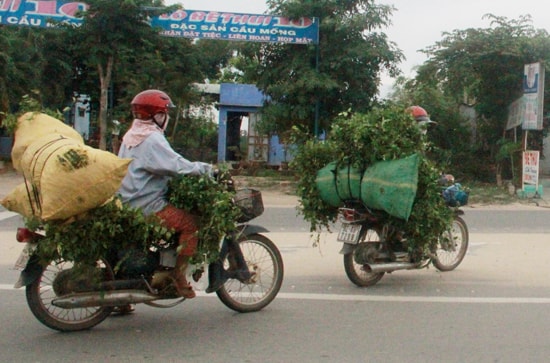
{"x": 181, "y": 23}
{"x": 239, "y": 27}
{"x": 39, "y": 13}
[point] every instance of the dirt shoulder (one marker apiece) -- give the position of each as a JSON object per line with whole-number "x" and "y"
{"x": 281, "y": 193}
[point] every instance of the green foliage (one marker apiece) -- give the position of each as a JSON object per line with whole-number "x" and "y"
{"x": 310, "y": 156}
{"x": 196, "y": 138}
{"x": 92, "y": 236}
{"x": 361, "y": 140}
{"x": 212, "y": 203}
{"x": 382, "y": 134}
{"x": 341, "y": 72}
{"x": 22, "y": 63}
{"x": 27, "y": 104}
{"x": 481, "y": 68}
{"x": 430, "y": 216}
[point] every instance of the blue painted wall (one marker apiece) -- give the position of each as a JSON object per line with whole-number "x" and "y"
{"x": 235, "y": 98}
{"x": 245, "y": 98}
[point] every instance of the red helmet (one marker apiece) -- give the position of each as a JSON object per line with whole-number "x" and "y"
{"x": 148, "y": 103}
{"x": 418, "y": 113}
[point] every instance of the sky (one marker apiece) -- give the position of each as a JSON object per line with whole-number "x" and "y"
{"x": 416, "y": 24}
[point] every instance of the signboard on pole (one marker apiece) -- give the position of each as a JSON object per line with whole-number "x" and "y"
{"x": 530, "y": 171}
{"x": 515, "y": 114}
{"x": 533, "y": 96}
{"x": 181, "y": 23}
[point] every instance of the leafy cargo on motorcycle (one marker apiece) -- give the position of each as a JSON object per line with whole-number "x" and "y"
{"x": 374, "y": 143}
{"x": 386, "y": 185}
{"x": 76, "y": 272}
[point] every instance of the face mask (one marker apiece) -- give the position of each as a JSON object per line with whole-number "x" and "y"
{"x": 161, "y": 119}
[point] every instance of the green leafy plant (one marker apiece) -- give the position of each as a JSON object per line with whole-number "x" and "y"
{"x": 91, "y": 236}
{"x": 212, "y": 203}
{"x": 361, "y": 140}
{"x": 311, "y": 155}
{"x": 28, "y": 104}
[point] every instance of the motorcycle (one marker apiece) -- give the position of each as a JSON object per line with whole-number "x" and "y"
{"x": 65, "y": 298}
{"x": 371, "y": 248}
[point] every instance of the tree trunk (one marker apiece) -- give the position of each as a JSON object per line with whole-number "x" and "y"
{"x": 105, "y": 81}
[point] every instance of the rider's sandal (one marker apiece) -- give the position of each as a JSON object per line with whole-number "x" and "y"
{"x": 183, "y": 288}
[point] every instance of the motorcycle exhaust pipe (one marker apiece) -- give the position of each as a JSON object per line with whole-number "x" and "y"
{"x": 389, "y": 267}
{"x": 103, "y": 298}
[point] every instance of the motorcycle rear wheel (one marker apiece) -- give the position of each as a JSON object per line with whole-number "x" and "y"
{"x": 452, "y": 246}
{"x": 263, "y": 259}
{"x": 41, "y": 293}
{"x": 357, "y": 273}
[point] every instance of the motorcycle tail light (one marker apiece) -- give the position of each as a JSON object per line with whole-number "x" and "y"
{"x": 24, "y": 235}
{"x": 349, "y": 215}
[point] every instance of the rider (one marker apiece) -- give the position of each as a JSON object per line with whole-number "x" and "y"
{"x": 423, "y": 122}
{"x": 421, "y": 117}
{"x": 154, "y": 164}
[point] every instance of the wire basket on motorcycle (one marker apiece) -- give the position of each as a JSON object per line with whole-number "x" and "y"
{"x": 250, "y": 202}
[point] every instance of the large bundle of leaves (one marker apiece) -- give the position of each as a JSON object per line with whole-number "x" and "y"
{"x": 91, "y": 236}
{"x": 361, "y": 140}
{"x": 212, "y": 203}
{"x": 311, "y": 156}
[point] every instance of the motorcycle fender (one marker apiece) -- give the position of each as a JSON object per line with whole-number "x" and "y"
{"x": 248, "y": 229}
{"x": 30, "y": 273}
{"x": 347, "y": 248}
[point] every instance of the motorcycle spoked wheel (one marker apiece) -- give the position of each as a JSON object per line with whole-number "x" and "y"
{"x": 452, "y": 246}
{"x": 41, "y": 293}
{"x": 263, "y": 259}
{"x": 356, "y": 272}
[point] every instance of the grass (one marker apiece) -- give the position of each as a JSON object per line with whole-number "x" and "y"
{"x": 481, "y": 193}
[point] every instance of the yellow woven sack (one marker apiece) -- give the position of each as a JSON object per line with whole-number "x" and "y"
{"x": 69, "y": 177}
{"x": 18, "y": 201}
{"x": 34, "y": 125}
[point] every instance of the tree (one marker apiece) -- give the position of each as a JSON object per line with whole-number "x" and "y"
{"x": 113, "y": 30}
{"x": 342, "y": 73}
{"x": 21, "y": 65}
{"x": 482, "y": 68}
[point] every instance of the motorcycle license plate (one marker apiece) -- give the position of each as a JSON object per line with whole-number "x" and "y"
{"x": 24, "y": 257}
{"x": 349, "y": 233}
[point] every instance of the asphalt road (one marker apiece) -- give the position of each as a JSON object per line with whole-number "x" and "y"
{"x": 493, "y": 308}
{"x": 527, "y": 219}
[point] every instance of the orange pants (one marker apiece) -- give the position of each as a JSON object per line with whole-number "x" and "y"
{"x": 185, "y": 225}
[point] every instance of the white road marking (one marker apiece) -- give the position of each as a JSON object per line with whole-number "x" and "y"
{"x": 418, "y": 299}
{"x": 387, "y": 298}
{"x": 9, "y": 287}
{"x": 7, "y": 214}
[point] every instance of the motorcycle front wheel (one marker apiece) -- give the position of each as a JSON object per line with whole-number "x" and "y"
{"x": 357, "y": 273}
{"x": 47, "y": 287}
{"x": 265, "y": 263}
{"x": 452, "y": 246}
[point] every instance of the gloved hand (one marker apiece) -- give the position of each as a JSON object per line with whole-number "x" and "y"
{"x": 206, "y": 169}
{"x": 224, "y": 177}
